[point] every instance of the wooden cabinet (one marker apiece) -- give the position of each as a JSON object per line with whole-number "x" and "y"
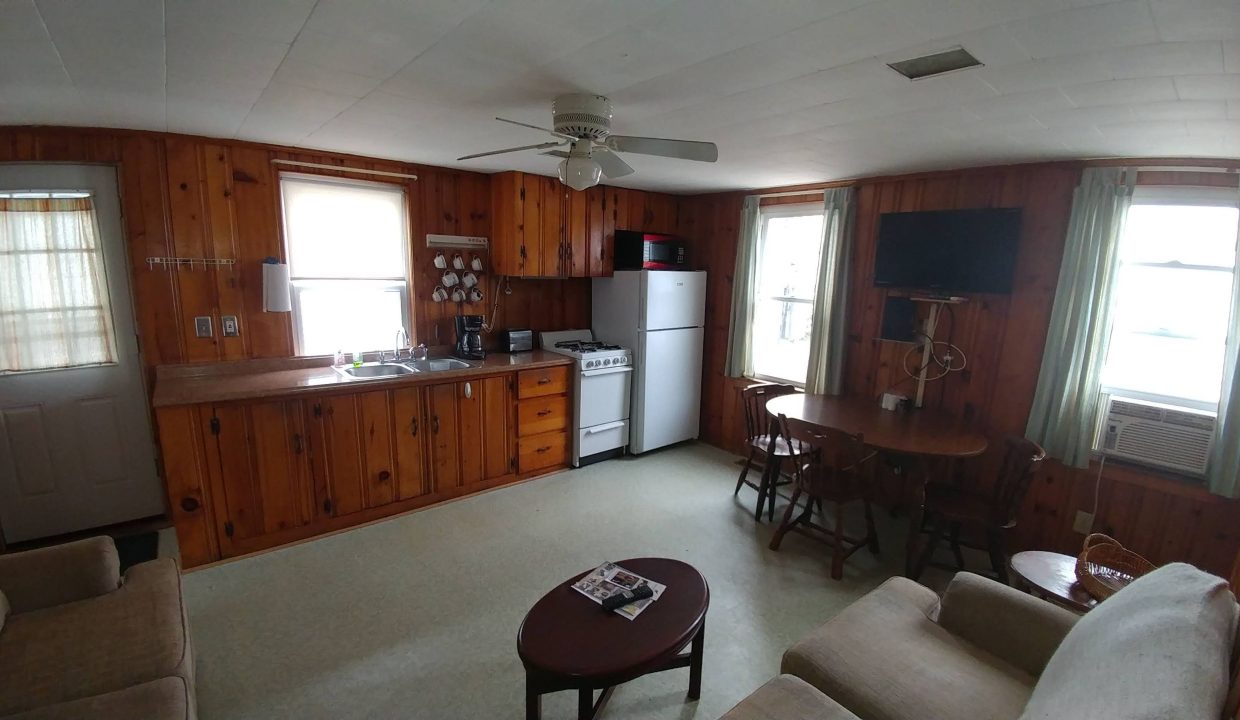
{"x": 543, "y": 419}
{"x": 247, "y": 475}
{"x": 543, "y": 228}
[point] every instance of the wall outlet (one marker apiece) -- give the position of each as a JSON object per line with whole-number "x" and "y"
{"x": 202, "y": 326}
{"x": 1084, "y": 522}
{"x": 229, "y": 326}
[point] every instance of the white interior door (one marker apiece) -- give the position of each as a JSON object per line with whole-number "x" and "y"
{"x": 673, "y": 299}
{"x": 76, "y": 447}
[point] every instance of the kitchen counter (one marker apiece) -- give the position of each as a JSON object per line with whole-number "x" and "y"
{"x": 191, "y": 384}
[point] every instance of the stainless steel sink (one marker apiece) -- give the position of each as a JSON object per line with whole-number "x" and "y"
{"x": 370, "y": 370}
{"x": 438, "y": 365}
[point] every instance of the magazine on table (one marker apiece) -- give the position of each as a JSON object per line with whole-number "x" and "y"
{"x": 609, "y": 578}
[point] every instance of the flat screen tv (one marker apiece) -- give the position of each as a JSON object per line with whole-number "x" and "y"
{"x": 949, "y": 250}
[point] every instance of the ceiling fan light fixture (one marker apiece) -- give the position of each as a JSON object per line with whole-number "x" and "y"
{"x": 580, "y": 172}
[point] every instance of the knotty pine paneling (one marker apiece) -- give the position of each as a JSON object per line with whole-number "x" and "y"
{"x": 1003, "y": 335}
{"x": 198, "y": 197}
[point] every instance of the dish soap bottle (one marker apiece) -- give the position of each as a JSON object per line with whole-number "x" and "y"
{"x": 357, "y": 359}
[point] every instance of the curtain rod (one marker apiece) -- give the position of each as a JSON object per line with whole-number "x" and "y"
{"x": 341, "y": 168}
{"x": 793, "y": 193}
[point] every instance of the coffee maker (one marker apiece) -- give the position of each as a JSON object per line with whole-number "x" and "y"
{"x": 469, "y": 337}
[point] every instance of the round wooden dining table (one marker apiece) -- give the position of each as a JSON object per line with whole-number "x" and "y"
{"x": 908, "y": 437}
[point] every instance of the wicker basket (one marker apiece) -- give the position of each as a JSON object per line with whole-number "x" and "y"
{"x": 1105, "y": 567}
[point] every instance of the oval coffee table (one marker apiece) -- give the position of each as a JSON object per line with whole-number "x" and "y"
{"x": 568, "y": 642}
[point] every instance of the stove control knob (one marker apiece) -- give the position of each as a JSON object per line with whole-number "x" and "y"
{"x": 591, "y": 363}
{"x": 607, "y": 361}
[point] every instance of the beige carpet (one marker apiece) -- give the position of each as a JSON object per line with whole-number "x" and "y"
{"x": 416, "y": 617}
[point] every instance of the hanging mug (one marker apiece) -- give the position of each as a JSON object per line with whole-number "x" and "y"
{"x": 475, "y": 263}
{"x": 475, "y": 295}
{"x": 440, "y": 261}
{"x": 440, "y": 294}
{"x": 458, "y": 295}
{"x": 469, "y": 279}
{"x": 450, "y": 279}
{"x": 458, "y": 262}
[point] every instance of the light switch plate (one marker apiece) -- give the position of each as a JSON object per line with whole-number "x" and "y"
{"x": 202, "y": 326}
{"x": 229, "y": 326}
{"x": 1084, "y": 522}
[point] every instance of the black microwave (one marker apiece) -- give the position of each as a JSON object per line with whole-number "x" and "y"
{"x": 649, "y": 251}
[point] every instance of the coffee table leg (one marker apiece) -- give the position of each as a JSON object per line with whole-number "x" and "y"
{"x": 695, "y": 663}
{"x": 533, "y": 700}
{"x": 585, "y": 704}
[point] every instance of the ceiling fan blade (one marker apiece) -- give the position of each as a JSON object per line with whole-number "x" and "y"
{"x": 612, "y": 165}
{"x": 680, "y": 149}
{"x": 536, "y": 146}
{"x": 556, "y": 153}
{"x": 535, "y": 127}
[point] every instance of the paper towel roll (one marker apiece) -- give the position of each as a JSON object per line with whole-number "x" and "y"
{"x": 276, "y": 288}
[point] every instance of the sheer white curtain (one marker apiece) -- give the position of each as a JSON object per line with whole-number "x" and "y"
{"x": 744, "y": 284}
{"x": 54, "y": 310}
{"x": 1223, "y": 472}
{"x": 826, "y": 349}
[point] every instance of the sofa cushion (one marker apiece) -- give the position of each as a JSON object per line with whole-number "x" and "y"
{"x": 41, "y": 578}
{"x": 129, "y": 636}
{"x": 884, "y": 658}
{"x": 1159, "y": 648}
{"x": 168, "y": 698}
{"x": 786, "y": 697}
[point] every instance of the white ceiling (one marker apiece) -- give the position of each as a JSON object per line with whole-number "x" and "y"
{"x": 791, "y": 90}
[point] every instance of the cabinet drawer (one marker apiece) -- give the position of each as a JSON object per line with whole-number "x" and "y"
{"x": 543, "y": 451}
{"x": 547, "y": 381}
{"x": 543, "y": 414}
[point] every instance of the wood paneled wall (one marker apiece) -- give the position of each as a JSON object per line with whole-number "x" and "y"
{"x": 197, "y": 197}
{"x": 1163, "y": 518}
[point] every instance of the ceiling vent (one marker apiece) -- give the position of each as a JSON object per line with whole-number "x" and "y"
{"x": 937, "y": 64}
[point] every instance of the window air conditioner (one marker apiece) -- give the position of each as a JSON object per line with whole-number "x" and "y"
{"x": 1156, "y": 434}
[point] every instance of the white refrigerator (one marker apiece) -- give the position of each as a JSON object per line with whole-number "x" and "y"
{"x": 660, "y": 315}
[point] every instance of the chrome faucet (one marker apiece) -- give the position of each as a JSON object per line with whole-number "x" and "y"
{"x": 402, "y": 341}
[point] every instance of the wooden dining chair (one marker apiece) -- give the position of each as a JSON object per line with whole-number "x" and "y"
{"x": 828, "y": 466}
{"x": 763, "y": 445}
{"x": 950, "y": 510}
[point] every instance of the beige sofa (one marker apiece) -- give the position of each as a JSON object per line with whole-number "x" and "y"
{"x": 1162, "y": 648}
{"x": 80, "y": 642}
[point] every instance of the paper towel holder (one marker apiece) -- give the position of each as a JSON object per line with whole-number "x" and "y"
{"x": 276, "y": 286}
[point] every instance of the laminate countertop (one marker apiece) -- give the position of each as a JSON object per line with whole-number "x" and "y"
{"x": 192, "y": 384}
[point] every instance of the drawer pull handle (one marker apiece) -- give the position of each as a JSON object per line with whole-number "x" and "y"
{"x": 544, "y": 380}
{"x": 384, "y": 475}
{"x": 413, "y": 426}
{"x": 544, "y": 413}
{"x": 189, "y": 504}
{"x": 543, "y": 449}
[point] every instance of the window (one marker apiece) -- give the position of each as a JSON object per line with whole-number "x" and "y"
{"x": 1173, "y": 297}
{"x": 54, "y": 309}
{"x": 788, "y": 252}
{"x": 347, "y": 245}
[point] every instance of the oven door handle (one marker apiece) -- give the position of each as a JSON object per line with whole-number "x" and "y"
{"x": 605, "y": 428}
{"x": 607, "y": 371}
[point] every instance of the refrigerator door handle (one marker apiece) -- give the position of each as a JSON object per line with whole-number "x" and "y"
{"x": 606, "y": 427}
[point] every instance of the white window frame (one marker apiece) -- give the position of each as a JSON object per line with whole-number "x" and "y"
{"x": 1179, "y": 195}
{"x": 398, "y": 284}
{"x": 765, "y": 214}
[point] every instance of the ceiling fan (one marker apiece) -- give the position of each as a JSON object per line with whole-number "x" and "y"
{"x": 583, "y": 123}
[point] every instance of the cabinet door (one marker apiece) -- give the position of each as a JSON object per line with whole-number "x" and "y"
{"x": 471, "y": 435}
{"x": 600, "y": 227}
{"x": 444, "y": 442}
{"x": 499, "y": 451}
{"x": 553, "y": 201}
{"x": 376, "y": 419}
{"x": 577, "y": 232}
{"x": 531, "y": 226}
{"x": 506, "y": 231}
{"x": 409, "y": 426}
{"x": 259, "y": 470}
{"x": 336, "y": 455}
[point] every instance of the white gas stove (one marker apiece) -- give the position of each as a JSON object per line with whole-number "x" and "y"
{"x": 600, "y": 427}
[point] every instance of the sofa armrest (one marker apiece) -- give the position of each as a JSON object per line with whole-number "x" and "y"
{"x": 1010, "y": 624}
{"x": 60, "y": 574}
